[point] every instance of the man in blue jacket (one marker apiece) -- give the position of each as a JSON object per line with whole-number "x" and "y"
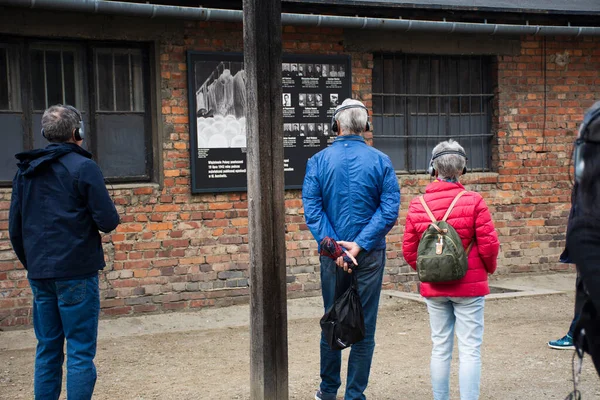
{"x": 351, "y": 194}
{"x": 59, "y": 203}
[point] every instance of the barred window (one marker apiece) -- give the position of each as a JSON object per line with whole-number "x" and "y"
{"x": 120, "y": 110}
{"x": 11, "y": 140}
{"x": 421, "y": 100}
{"x": 109, "y": 85}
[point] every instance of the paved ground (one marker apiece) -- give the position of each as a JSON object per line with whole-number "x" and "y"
{"x": 204, "y": 354}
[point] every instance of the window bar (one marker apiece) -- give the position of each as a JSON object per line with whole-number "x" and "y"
{"x": 129, "y": 69}
{"x": 382, "y": 84}
{"x": 436, "y": 95}
{"x": 459, "y": 98}
{"x": 62, "y": 77}
{"x": 428, "y": 91}
{"x": 439, "y": 99}
{"x": 417, "y": 113}
{"x": 444, "y": 137}
{"x": 406, "y": 76}
{"x": 45, "y": 80}
{"x": 96, "y": 70}
{"x": 470, "y": 110}
{"x": 114, "y": 79}
{"x": 449, "y": 99}
{"x": 393, "y": 88}
{"x": 484, "y": 125}
{"x": 8, "y": 79}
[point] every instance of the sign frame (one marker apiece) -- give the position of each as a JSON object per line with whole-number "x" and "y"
{"x": 194, "y": 57}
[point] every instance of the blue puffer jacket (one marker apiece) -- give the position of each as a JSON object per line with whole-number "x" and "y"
{"x": 59, "y": 202}
{"x": 351, "y": 193}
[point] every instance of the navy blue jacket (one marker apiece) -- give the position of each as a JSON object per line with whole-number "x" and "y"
{"x": 351, "y": 193}
{"x": 59, "y": 202}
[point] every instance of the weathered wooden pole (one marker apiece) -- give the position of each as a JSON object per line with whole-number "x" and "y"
{"x": 264, "y": 124}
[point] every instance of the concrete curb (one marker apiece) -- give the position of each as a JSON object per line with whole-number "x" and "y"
{"x": 515, "y": 292}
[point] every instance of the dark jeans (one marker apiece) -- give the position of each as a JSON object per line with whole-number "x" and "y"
{"x": 369, "y": 275}
{"x": 65, "y": 309}
{"x": 579, "y": 300}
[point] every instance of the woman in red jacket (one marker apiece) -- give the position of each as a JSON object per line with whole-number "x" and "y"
{"x": 455, "y": 305}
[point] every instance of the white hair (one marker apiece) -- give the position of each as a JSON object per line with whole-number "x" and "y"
{"x": 449, "y": 166}
{"x": 352, "y": 121}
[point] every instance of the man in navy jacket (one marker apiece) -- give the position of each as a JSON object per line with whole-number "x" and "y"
{"x": 59, "y": 203}
{"x": 351, "y": 194}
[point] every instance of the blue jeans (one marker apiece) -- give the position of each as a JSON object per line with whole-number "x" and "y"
{"x": 369, "y": 275}
{"x": 466, "y": 315}
{"x": 65, "y": 309}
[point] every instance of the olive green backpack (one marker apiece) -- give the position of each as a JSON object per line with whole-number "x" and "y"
{"x": 441, "y": 256}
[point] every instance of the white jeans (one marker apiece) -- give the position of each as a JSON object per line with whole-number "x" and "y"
{"x": 466, "y": 314}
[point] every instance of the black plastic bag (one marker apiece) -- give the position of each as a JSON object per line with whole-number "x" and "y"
{"x": 343, "y": 324}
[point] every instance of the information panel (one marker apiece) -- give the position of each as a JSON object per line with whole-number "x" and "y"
{"x": 313, "y": 85}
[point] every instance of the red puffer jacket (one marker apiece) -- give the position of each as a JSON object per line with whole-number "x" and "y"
{"x": 471, "y": 218}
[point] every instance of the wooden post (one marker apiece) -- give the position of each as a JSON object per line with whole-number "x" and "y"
{"x": 266, "y": 212}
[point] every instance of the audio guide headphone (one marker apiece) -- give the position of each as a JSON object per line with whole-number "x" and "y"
{"x": 334, "y": 124}
{"x": 580, "y": 143}
{"x": 431, "y": 170}
{"x": 79, "y": 133}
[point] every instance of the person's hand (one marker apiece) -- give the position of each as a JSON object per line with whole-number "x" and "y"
{"x": 351, "y": 249}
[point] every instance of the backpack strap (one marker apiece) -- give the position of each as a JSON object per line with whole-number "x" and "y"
{"x": 468, "y": 249}
{"x": 427, "y": 210}
{"x": 470, "y": 246}
{"x": 458, "y": 196}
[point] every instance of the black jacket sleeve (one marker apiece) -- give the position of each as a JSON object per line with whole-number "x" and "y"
{"x": 15, "y": 224}
{"x": 92, "y": 187}
{"x": 574, "y": 212}
{"x": 583, "y": 241}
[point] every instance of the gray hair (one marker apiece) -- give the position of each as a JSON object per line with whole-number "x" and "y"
{"x": 58, "y": 123}
{"x": 352, "y": 121}
{"x": 449, "y": 166}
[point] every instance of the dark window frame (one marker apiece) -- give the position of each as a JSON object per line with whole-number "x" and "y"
{"x": 403, "y": 99}
{"x": 24, "y": 45}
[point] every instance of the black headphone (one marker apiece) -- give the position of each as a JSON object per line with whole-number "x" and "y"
{"x": 584, "y": 137}
{"x": 79, "y": 133}
{"x": 334, "y": 125}
{"x": 443, "y": 153}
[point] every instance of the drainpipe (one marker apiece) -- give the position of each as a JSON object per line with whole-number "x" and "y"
{"x": 331, "y": 21}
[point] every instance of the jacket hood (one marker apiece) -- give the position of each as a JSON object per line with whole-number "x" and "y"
{"x": 35, "y": 160}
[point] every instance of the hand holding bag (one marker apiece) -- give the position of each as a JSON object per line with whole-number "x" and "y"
{"x": 343, "y": 323}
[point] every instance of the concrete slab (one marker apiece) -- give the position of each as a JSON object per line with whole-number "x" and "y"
{"x": 515, "y": 286}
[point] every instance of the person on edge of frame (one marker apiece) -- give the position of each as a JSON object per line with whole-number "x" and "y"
{"x": 583, "y": 237}
{"x": 351, "y": 194}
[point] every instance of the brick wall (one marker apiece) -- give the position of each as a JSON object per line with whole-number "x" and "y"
{"x": 178, "y": 251}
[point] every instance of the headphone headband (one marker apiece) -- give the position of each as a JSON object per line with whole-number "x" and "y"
{"x": 445, "y": 152}
{"x": 342, "y": 108}
{"x": 334, "y": 124}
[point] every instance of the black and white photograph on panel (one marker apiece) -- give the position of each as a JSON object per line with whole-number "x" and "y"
{"x": 334, "y": 99}
{"x": 302, "y": 99}
{"x": 220, "y": 104}
{"x": 287, "y": 100}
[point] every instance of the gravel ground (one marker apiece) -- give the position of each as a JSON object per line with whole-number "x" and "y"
{"x": 205, "y": 356}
